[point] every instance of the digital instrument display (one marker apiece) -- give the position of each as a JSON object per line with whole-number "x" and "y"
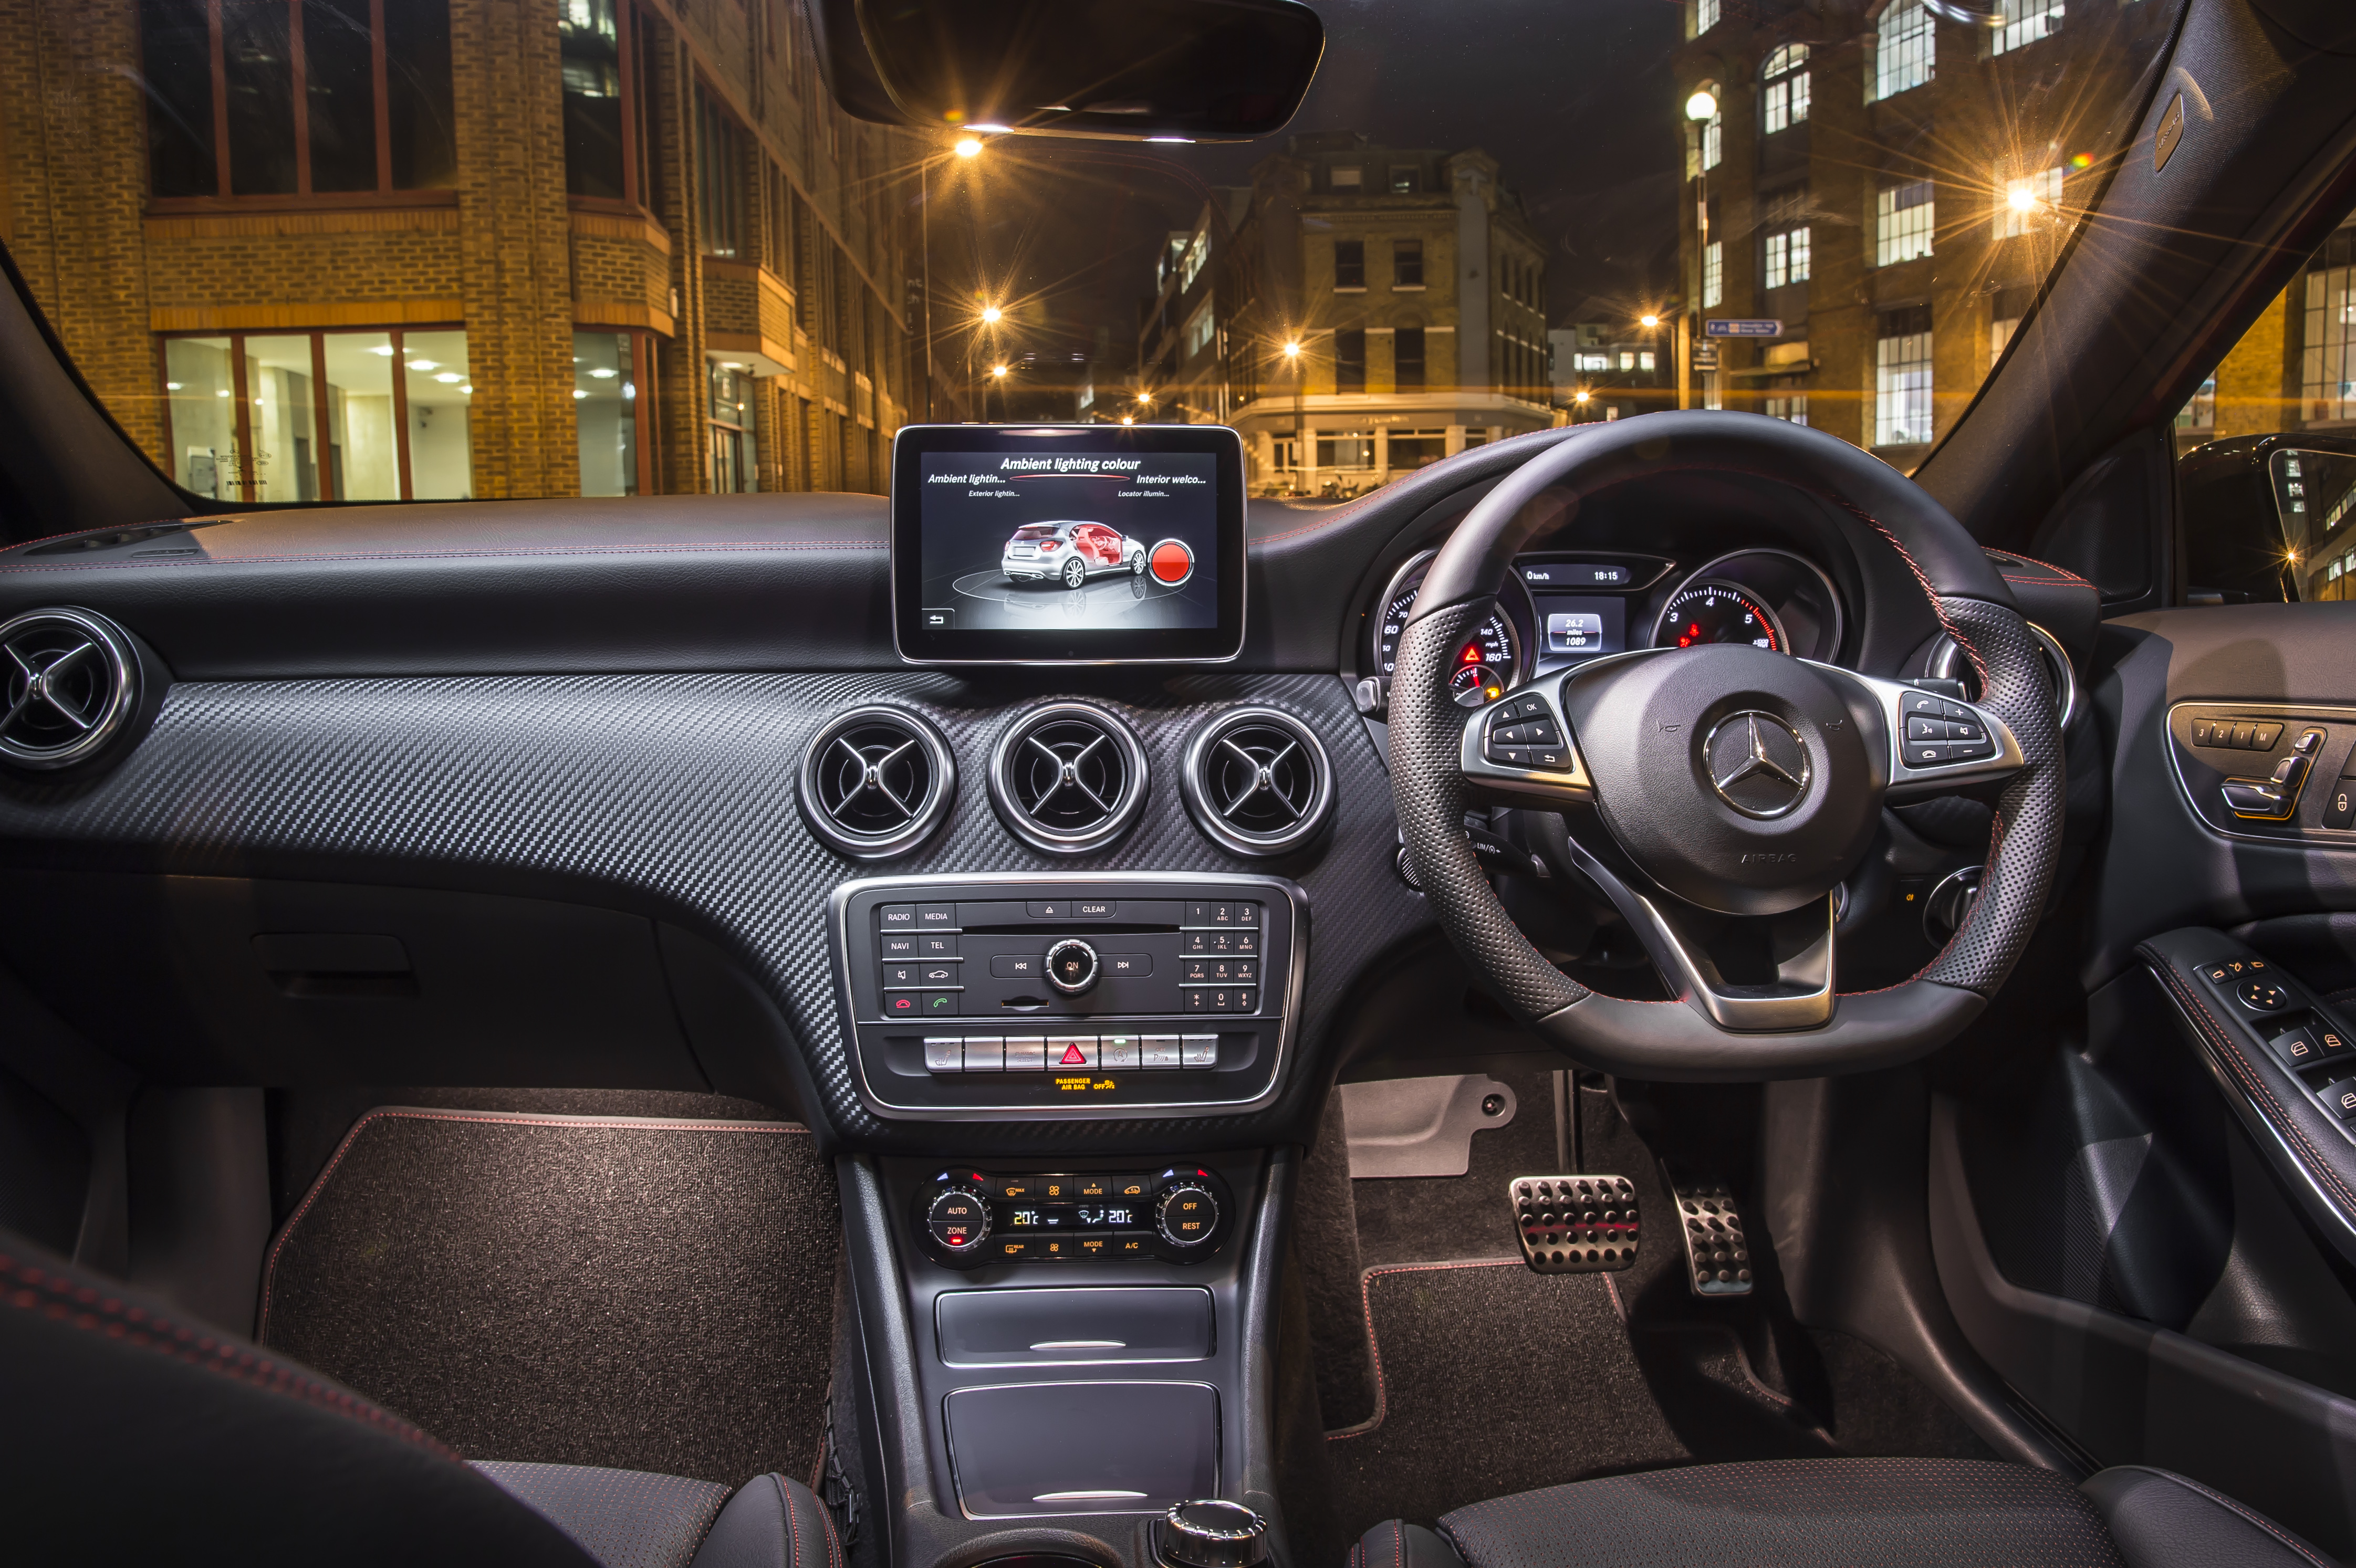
{"x": 1577, "y": 626}
{"x": 1055, "y": 544}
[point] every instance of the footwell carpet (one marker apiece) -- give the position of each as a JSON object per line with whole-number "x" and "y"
{"x": 647, "y": 1293}
{"x": 1491, "y": 1378}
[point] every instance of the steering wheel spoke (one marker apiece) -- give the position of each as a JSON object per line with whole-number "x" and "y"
{"x": 1521, "y": 748}
{"x": 1936, "y": 744}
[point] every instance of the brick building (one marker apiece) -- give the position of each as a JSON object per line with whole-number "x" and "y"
{"x": 1891, "y": 186}
{"x": 420, "y": 249}
{"x": 1409, "y": 283}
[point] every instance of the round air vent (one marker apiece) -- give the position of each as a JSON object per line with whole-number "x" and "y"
{"x": 876, "y": 782}
{"x": 72, "y": 685}
{"x": 1257, "y": 780}
{"x": 1947, "y": 663}
{"x": 1068, "y": 777}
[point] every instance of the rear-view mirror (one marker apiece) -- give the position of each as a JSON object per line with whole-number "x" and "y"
{"x": 1197, "y": 70}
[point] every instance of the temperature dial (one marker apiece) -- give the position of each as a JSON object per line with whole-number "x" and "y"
{"x": 1188, "y": 1215}
{"x": 1072, "y": 966}
{"x": 958, "y": 1220}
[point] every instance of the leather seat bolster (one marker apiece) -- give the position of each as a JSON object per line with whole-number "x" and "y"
{"x": 624, "y": 1519}
{"x": 772, "y": 1522}
{"x": 1398, "y": 1545}
{"x": 2161, "y": 1519}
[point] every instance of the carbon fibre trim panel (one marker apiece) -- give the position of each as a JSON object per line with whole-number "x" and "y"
{"x": 676, "y": 794}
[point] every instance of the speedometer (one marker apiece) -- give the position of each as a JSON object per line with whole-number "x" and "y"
{"x": 1480, "y": 670}
{"x": 1717, "y": 613}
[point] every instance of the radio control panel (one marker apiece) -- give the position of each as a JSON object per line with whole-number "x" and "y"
{"x": 1101, "y": 995}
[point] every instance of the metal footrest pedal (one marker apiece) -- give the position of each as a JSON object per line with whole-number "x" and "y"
{"x": 1575, "y": 1224}
{"x": 1718, "y": 1255}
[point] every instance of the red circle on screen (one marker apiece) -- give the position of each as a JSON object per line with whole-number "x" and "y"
{"x": 1171, "y": 563}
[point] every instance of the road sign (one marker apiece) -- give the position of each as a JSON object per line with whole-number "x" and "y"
{"x": 1705, "y": 357}
{"x": 1723, "y": 327}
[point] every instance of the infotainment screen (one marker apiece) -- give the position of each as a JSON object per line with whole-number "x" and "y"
{"x": 1067, "y": 543}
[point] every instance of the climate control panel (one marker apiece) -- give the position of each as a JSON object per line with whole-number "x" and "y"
{"x": 966, "y": 1218}
{"x": 1104, "y": 995}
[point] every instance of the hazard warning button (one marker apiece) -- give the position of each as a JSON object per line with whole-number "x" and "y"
{"x": 1071, "y": 1050}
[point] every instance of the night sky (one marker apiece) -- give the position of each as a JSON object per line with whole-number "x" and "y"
{"x": 1574, "y": 98}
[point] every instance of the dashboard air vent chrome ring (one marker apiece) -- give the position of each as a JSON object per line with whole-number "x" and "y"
{"x": 876, "y": 782}
{"x": 1256, "y": 782}
{"x": 1067, "y": 777}
{"x": 69, "y": 683}
{"x": 1946, "y": 663}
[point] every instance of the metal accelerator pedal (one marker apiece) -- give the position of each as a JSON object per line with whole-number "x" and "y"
{"x": 1718, "y": 1255}
{"x": 1575, "y": 1224}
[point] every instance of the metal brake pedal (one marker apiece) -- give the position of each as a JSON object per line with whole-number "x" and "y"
{"x": 1718, "y": 1255}
{"x": 1575, "y": 1224}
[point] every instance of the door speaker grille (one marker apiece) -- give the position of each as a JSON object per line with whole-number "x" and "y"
{"x": 876, "y": 782}
{"x": 69, "y": 683}
{"x": 1257, "y": 780}
{"x": 1068, "y": 778}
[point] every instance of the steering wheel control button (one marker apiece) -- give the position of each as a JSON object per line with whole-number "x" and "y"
{"x": 1072, "y": 966}
{"x": 2263, "y": 996}
{"x": 1210, "y": 1533}
{"x": 1576, "y": 1225}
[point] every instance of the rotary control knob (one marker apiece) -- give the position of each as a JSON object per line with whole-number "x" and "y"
{"x": 957, "y": 1221}
{"x": 1211, "y": 1532}
{"x": 1187, "y": 1215}
{"x": 1072, "y": 966}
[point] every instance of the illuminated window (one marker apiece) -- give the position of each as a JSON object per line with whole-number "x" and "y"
{"x": 1706, "y": 15}
{"x": 1784, "y": 101}
{"x": 1903, "y": 223}
{"x": 1788, "y": 258}
{"x": 1197, "y": 252}
{"x": 2328, "y": 360}
{"x": 1199, "y": 332}
{"x": 1645, "y": 360}
{"x": 1713, "y": 141}
{"x": 1905, "y": 51}
{"x": 2025, "y": 22}
{"x": 1713, "y": 275}
{"x": 1901, "y": 378}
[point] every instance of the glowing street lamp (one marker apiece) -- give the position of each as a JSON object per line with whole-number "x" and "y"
{"x": 1648, "y": 322}
{"x": 1129, "y": 419}
{"x": 1292, "y": 351}
{"x": 1701, "y": 105}
{"x": 997, "y": 370}
{"x": 991, "y": 315}
{"x": 2021, "y": 197}
{"x": 968, "y": 146}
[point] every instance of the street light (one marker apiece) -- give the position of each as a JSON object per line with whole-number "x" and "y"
{"x": 1701, "y": 105}
{"x": 1648, "y": 322}
{"x": 998, "y": 370}
{"x": 968, "y": 146}
{"x": 992, "y": 314}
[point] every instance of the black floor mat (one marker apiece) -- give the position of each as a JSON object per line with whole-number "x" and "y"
{"x": 1493, "y": 1380}
{"x": 652, "y": 1294}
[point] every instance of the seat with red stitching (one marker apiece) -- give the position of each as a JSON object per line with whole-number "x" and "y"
{"x": 1882, "y": 511}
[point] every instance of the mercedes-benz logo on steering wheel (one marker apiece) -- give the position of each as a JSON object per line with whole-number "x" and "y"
{"x": 1757, "y": 763}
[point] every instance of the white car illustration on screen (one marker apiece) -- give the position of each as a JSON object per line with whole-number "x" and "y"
{"x": 1073, "y": 552}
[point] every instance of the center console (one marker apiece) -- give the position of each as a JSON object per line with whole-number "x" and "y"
{"x": 1010, "y": 997}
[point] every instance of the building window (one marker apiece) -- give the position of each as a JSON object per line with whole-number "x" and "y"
{"x": 1405, "y": 179}
{"x": 1645, "y": 360}
{"x": 2000, "y": 332}
{"x": 1349, "y": 263}
{"x": 1406, "y": 263}
{"x": 2025, "y": 22}
{"x": 611, "y": 413}
{"x": 2023, "y": 205}
{"x": 735, "y": 464}
{"x": 1406, "y": 359}
{"x": 262, "y": 98}
{"x": 1713, "y": 273}
{"x": 604, "y": 110}
{"x": 1198, "y": 251}
{"x": 1905, "y": 51}
{"x": 1784, "y": 101}
{"x": 1789, "y": 255}
{"x": 1346, "y": 449}
{"x": 1901, "y": 378}
{"x": 1713, "y": 141}
{"x": 1417, "y": 448}
{"x": 1350, "y": 360}
{"x": 1903, "y": 223}
{"x": 719, "y": 177}
{"x": 1199, "y": 332}
{"x": 1706, "y": 15}
{"x": 2200, "y": 411}
{"x": 2328, "y": 357}
{"x": 1784, "y": 401}
{"x": 319, "y": 416}
{"x": 1348, "y": 176}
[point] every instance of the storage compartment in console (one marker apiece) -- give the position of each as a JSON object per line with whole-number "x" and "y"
{"x": 1074, "y": 1327}
{"x": 1038, "y": 1449}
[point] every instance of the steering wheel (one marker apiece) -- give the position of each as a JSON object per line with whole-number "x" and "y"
{"x": 1728, "y": 782}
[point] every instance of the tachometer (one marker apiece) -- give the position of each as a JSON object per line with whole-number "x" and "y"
{"x": 1480, "y": 671}
{"x": 1717, "y": 613}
